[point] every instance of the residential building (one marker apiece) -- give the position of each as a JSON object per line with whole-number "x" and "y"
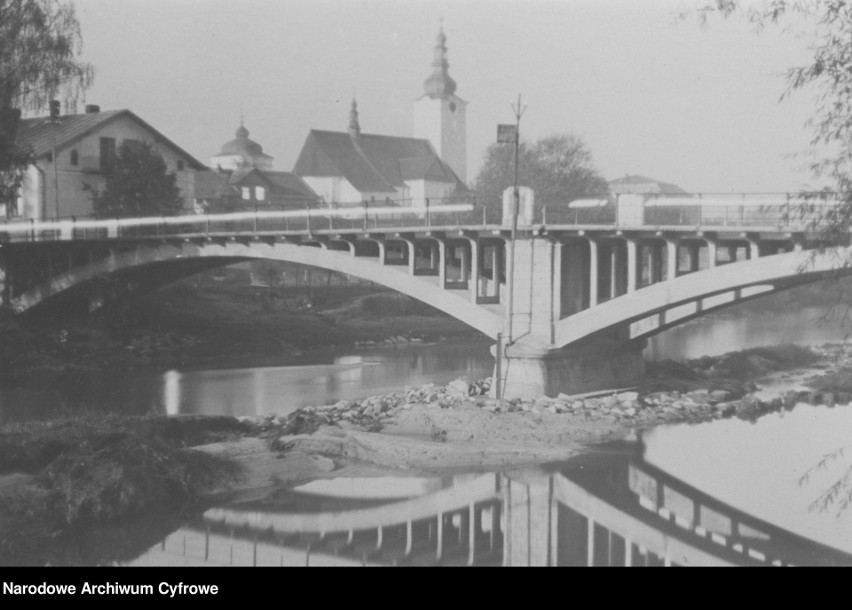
{"x": 243, "y": 178}
{"x": 85, "y": 145}
{"x": 221, "y": 191}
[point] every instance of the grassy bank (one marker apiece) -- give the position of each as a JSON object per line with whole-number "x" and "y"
{"x": 60, "y": 478}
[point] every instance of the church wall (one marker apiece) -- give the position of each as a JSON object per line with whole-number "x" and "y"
{"x": 454, "y": 135}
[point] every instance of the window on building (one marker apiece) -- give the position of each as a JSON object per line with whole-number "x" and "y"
{"x": 180, "y": 166}
{"x": 132, "y": 144}
{"x": 75, "y": 157}
{"x": 246, "y": 193}
{"x": 107, "y": 153}
{"x": 260, "y": 193}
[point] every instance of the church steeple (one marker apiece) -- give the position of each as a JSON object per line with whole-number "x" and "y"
{"x": 354, "y": 127}
{"x": 440, "y": 84}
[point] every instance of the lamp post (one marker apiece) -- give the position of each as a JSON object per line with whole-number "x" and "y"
{"x": 509, "y": 134}
{"x": 54, "y": 121}
{"x": 516, "y": 204}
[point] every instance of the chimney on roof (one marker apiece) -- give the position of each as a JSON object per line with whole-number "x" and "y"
{"x": 92, "y": 109}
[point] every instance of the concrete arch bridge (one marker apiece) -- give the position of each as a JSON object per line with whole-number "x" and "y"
{"x": 569, "y": 304}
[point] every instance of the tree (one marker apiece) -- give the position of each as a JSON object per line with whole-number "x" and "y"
{"x": 829, "y": 75}
{"x": 39, "y": 44}
{"x": 558, "y": 168}
{"x": 137, "y": 183}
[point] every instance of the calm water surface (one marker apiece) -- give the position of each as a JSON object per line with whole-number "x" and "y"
{"x": 727, "y": 492}
{"x": 680, "y": 496}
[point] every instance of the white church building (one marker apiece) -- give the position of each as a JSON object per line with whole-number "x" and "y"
{"x": 350, "y": 167}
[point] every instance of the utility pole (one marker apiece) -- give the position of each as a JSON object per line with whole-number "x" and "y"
{"x": 509, "y": 134}
{"x": 54, "y": 121}
{"x": 516, "y": 203}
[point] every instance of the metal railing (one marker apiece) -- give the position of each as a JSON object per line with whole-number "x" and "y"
{"x": 368, "y": 216}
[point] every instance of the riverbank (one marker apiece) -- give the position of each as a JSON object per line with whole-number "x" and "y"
{"x": 62, "y": 480}
{"x": 180, "y": 327}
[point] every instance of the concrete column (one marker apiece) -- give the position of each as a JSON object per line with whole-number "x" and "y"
{"x": 536, "y": 271}
{"x": 473, "y": 285}
{"x": 496, "y": 262}
{"x": 556, "y": 287}
{"x": 711, "y": 252}
{"x": 382, "y": 252}
{"x": 694, "y": 258}
{"x": 753, "y": 250}
{"x": 632, "y": 266}
{"x": 463, "y": 267}
{"x": 590, "y": 541}
{"x": 656, "y": 274}
{"x": 613, "y": 272}
{"x": 471, "y": 534}
{"x": 671, "y": 259}
{"x": 412, "y": 255}
{"x": 594, "y": 272}
{"x": 442, "y": 262}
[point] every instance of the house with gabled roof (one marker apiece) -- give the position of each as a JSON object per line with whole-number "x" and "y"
{"x": 242, "y": 177}
{"x": 223, "y": 191}
{"x": 85, "y": 145}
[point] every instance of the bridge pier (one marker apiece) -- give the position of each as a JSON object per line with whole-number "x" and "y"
{"x": 530, "y": 371}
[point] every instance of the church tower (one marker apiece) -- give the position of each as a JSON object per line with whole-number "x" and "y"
{"x": 439, "y": 115}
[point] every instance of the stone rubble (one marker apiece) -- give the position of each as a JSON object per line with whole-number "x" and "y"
{"x": 627, "y": 408}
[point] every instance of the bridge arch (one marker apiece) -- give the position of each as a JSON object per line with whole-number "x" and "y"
{"x": 425, "y": 289}
{"x": 656, "y": 308}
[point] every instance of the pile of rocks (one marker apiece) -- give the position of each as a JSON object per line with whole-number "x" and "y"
{"x": 625, "y": 407}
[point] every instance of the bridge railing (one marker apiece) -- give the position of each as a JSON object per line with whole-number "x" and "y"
{"x": 783, "y": 210}
{"x": 424, "y": 214}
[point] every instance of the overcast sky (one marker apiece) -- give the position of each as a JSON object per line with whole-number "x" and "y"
{"x": 649, "y": 94}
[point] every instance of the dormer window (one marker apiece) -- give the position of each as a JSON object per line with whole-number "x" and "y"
{"x": 75, "y": 157}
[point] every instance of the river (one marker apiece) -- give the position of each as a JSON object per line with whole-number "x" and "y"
{"x": 259, "y": 387}
{"x": 723, "y": 492}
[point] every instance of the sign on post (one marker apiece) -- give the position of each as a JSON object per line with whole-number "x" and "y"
{"x": 507, "y": 134}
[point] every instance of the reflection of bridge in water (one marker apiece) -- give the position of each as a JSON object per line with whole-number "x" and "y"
{"x": 596, "y": 510}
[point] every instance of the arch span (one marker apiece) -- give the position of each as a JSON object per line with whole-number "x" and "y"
{"x": 425, "y": 289}
{"x": 656, "y": 308}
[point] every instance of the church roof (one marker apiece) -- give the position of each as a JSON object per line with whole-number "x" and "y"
{"x": 243, "y": 146}
{"x": 642, "y": 185}
{"x": 370, "y": 162}
{"x": 440, "y": 84}
{"x": 35, "y": 135}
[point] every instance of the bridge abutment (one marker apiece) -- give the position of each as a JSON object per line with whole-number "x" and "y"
{"x": 529, "y": 371}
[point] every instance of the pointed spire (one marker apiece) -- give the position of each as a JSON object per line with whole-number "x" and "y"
{"x": 439, "y": 84}
{"x": 242, "y": 132}
{"x": 354, "y": 127}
